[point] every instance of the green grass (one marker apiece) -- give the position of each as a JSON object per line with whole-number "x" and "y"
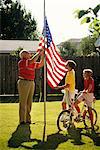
{"x": 31, "y": 137}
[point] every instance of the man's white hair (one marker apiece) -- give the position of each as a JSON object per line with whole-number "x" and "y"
{"x": 22, "y": 51}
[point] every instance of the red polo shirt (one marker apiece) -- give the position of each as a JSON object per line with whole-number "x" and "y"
{"x": 26, "y": 70}
{"x": 87, "y": 83}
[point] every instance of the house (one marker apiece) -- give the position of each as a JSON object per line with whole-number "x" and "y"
{"x": 6, "y": 46}
{"x": 97, "y": 43}
{"x": 75, "y": 42}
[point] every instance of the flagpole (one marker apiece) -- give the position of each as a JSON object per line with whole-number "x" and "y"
{"x": 45, "y": 78}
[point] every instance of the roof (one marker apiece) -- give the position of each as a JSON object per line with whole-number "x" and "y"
{"x": 6, "y": 46}
{"x": 97, "y": 43}
{"x": 75, "y": 40}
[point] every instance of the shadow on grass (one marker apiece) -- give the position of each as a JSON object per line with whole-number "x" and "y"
{"x": 77, "y": 133}
{"x": 93, "y": 134}
{"x": 52, "y": 142}
{"x": 55, "y": 139}
{"x": 73, "y": 134}
{"x": 22, "y": 134}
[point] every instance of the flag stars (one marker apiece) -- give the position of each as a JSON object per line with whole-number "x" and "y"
{"x": 56, "y": 66}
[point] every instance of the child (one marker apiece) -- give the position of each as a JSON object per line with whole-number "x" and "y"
{"x": 87, "y": 94}
{"x": 26, "y": 85}
{"x": 69, "y": 87}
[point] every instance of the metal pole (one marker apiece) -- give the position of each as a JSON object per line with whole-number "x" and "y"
{"x": 45, "y": 78}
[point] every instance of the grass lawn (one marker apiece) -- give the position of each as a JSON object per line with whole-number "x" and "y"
{"x": 31, "y": 137}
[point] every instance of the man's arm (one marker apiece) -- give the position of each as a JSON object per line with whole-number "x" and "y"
{"x": 41, "y": 63}
{"x": 35, "y": 57}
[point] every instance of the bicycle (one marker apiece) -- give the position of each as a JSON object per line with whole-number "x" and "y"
{"x": 67, "y": 118}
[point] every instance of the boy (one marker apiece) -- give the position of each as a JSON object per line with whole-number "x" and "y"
{"x": 69, "y": 87}
{"x": 26, "y": 85}
{"x": 87, "y": 94}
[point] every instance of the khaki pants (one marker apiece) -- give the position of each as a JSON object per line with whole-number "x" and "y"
{"x": 26, "y": 91}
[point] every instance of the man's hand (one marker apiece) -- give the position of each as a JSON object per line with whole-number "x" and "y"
{"x": 42, "y": 52}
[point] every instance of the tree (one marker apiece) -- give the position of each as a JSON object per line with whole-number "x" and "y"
{"x": 87, "y": 46}
{"x": 67, "y": 49}
{"x": 16, "y": 23}
{"x": 90, "y": 16}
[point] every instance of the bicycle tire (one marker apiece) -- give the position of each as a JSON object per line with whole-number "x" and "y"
{"x": 86, "y": 119}
{"x": 64, "y": 120}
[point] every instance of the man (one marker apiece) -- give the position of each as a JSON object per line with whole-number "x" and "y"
{"x": 26, "y": 85}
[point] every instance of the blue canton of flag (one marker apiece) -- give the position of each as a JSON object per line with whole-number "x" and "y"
{"x": 47, "y": 33}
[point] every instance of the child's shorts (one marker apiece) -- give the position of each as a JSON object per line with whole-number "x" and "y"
{"x": 68, "y": 96}
{"x": 87, "y": 97}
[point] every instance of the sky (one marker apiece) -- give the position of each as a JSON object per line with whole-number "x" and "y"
{"x": 60, "y": 16}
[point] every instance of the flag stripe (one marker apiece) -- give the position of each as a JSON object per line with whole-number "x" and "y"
{"x": 61, "y": 60}
{"x": 56, "y": 65}
{"x": 52, "y": 76}
{"x": 54, "y": 53}
{"x": 51, "y": 81}
{"x": 54, "y": 72}
{"x": 55, "y": 61}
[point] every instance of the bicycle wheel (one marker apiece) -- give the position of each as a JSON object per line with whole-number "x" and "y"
{"x": 86, "y": 119}
{"x": 64, "y": 120}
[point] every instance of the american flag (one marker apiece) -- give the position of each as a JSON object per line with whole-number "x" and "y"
{"x": 56, "y": 65}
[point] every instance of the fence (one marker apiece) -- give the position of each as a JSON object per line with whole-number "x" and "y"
{"x": 9, "y": 74}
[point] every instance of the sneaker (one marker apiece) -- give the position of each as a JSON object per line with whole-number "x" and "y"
{"x": 77, "y": 119}
{"x": 92, "y": 127}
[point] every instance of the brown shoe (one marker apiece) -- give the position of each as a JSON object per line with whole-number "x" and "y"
{"x": 22, "y": 123}
{"x": 28, "y": 122}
